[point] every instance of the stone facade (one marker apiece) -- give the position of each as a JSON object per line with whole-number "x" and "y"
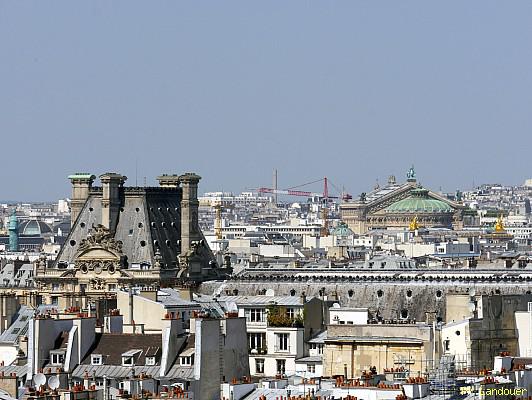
{"x": 121, "y": 236}
{"x": 375, "y": 210}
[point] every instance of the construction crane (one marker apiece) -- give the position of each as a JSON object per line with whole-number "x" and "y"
{"x": 325, "y": 209}
{"x": 292, "y": 192}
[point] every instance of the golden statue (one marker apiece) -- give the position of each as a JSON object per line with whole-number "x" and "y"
{"x": 413, "y": 224}
{"x": 499, "y": 227}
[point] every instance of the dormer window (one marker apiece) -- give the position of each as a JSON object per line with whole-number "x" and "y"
{"x": 96, "y": 359}
{"x": 187, "y": 357}
{"x": 150, "y": 361}
{"x": 57, "y": 357}
{"x": 187, "y": 360}
{"x": 130, "y": 357}
{"x": 128, "y": 361}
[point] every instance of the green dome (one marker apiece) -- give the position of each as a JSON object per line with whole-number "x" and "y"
{"x": 419, "y": 202}
{"x": 342, "y": 230}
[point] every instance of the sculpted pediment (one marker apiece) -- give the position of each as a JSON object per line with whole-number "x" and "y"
{"x": 101, "y": 240}
{"x": 98, "y": 253}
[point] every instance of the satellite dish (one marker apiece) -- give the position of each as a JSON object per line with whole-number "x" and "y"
{"x": 53, "y": 382}
{"x": 336, "y": 305}
{"x": 270, "y": 293}
{"x": 472, "y": 307}
{"x": 472, "y": 293}
{"x": 39, "y": 380}
{"x": 232, "y": 307}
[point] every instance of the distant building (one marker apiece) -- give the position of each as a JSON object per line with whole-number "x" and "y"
{"x": 395, "y": 206}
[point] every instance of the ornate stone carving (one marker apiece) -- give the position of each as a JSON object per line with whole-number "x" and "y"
{"x": 100, "y": 237}
{"x": 97, "y": 283}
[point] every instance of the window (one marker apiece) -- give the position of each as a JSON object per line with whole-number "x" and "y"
{"x": 290, "y": 313}
{"x": 83, "y": 287}
{"x": 55, "y": 287}
{"x": 257, "y": 341}
{"x": 311, "y": 368}
{"x": 55, "y": 300}
{"x": 259, "y": 365}
{"x": 281, "y": 364}
{"x": 186, "y": 360}
{"x": 127, "y": 361}
{"x": 57, "y": 358}
{"x": 96, "y": 359}
{"x": 150, "y": 360}
{"x": 112, "y": 287}
{"x": 255, "y": 315}
{"x": 282, "y": 342}
{"x": 446, "y": 345}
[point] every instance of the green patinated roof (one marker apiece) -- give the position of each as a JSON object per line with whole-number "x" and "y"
{"x": 419, "y": 202}
{"x": 342, "y": 230}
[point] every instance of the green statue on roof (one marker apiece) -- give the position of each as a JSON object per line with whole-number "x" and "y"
{"x": 411, "y": 174}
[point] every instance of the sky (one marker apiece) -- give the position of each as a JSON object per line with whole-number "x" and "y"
{"x": 352, "y": 90}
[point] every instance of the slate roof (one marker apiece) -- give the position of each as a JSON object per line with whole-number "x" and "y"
{"x": 19, "y": 327}
{"x": 171, "y": 298}
{"x": 149, "y": 216}
{"x": 16, "y": 277}
{"x": 112, "y": 345}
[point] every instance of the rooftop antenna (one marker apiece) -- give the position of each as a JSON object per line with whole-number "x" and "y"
{"x": 144, "y": 181}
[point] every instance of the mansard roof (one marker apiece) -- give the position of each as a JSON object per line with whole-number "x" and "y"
{"x": 149, "y": 219}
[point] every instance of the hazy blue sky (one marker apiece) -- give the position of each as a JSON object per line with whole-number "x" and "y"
{"x": 355, "y": 90}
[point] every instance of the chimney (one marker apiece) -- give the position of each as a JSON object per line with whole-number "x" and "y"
{"x": 111, "y": 199}
{"x": 81, "y": 185}
{"x": 186, "y": 293}
{"x": 303, "y": 298}
{"x": 168, "y": 181}
{"x": 189, "y": 210}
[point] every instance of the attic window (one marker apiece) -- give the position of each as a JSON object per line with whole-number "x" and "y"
{"x": 72, "y": 242}
{"x": 438, "y": 293}
{"x": 127, "y": 361}
{"x": 57, "y": 358}
{"x": 91, "y": 209}
{"x": 96, "y": 359}
{"x": 140, "y": 225}
{"x": 150, "y": 360}
{"x": 143, "y": 243}
{"x": 82, "y": 224}
{"x": 187, "y": 360}
{"x": 137, "y": 209}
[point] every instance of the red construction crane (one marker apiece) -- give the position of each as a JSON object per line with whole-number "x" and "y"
{"x": 292, "y": 192}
